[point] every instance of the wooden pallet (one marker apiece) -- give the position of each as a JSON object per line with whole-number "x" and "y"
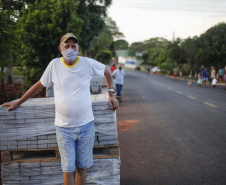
{"x": 31, "y": 155}
{"x": 105, "y": 151}
{"x": 52, "y": 154}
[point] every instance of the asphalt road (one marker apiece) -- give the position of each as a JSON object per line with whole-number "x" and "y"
{"x": 170, "y": 133}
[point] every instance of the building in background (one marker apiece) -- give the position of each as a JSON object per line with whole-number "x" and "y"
{"x": 127, "y": 58}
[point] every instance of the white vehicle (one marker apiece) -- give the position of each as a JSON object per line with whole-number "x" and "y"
{"x": 130, "y": 64}
{"x": 156, "y": 69}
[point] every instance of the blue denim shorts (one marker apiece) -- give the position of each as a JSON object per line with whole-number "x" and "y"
{"x": 76, "y": 146}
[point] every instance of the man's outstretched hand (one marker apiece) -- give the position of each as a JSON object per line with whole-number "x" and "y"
{"x": 12, "y": 105}
{"x": 113, "y": 102}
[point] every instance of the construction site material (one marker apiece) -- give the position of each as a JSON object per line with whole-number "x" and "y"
{"x": 95, "y": 89}
{"x": 52, "y": 154}
{"x": 104, "y": 171}
{"x": 31, "y": 126}
{"x": 29, "y": 150}
{"x": 98, "y": 80}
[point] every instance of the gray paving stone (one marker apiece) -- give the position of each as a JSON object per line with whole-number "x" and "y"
{"x": 32, "y": 146}
{"x": 43, "y": 142}
{"x": 52, "y": 145}
{"x": 42, "y": 146}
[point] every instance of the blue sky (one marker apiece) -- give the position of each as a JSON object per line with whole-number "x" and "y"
{"x": 141, "y": 20}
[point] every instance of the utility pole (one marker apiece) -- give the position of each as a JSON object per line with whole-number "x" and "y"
{"x": 173, "y": 36}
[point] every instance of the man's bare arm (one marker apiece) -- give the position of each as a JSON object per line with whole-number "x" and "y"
{"x": 29, "y": 94}
{"x": 113, "y": 102}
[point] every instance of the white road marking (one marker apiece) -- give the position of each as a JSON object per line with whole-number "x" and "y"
{"x": 209, "y": 104}
{"x": 178, "y": 92}
{"x": 191, "y": 97}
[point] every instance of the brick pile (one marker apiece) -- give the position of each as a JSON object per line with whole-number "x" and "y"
{"x": 104, "y": 171}
{"x": 32, "y": 127}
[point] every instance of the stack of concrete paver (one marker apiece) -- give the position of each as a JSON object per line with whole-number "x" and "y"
{"x": 99, "y": 80}
{"x": 32, "y": 127}
{"x": 104, "y": 171}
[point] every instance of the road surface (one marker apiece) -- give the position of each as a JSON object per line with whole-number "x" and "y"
{"x": 170, "y": 133}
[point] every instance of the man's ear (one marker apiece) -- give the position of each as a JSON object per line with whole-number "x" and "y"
{"x": 78, "y": 48}
{"x": 60, "y": 49}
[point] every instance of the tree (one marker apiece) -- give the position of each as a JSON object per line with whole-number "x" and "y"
{"x": 176, "y": 53}
{"x": 103, "y": 44}
{"x": 213, "y": 44}
{"x": 92, "y": 12}
{"x": 121, "y": 44}
{"x": 7, "y": 38}
{"x": 40, "y": 28}
{"x": 147, "y": 44}
{"x": 155, "y": 51}
{"x": 104, "y": 56}
{"x": 190, "y": 47}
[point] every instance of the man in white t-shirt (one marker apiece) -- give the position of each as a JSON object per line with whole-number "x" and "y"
{"x": 118, "y": 76}
{"x": 75, "y": 132}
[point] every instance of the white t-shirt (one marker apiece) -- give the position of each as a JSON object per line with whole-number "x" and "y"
{"x": 73, "y": 105}
{"x": 119, "y": 76}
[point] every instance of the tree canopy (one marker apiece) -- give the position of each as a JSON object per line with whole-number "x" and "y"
{"x": 40, "y": 28}
{"x": 92, "y": 13}
{"x": 209, "y": 49}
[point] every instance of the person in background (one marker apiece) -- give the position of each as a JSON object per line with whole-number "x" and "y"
{"x": 224, "y": 75}
{"x": 148, "y": 68}
{"x": 220, "y": 74}
{"x": 113, "y": 67}
{"x": 212, "y": 76}
{"x": 200, "y": 80}
{"x": 205, "y": 76}
{"x": 118, "y": 76}
{"x": 175, "y": 73}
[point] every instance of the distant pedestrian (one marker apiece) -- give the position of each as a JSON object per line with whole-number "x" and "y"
{"x": 175, "y": 73}
{"x": 148, "y": 68}
{"x": 151, "y": 70}
{"x": 118, "y": 76}
{"x": 220, "y": 75}
{"x": 205, "y": 76}
{"x": 212, "y": 76}
{"x": 200, "y": 80}
{"x": 224, "y": 75}
{"x": 113, "y": 67}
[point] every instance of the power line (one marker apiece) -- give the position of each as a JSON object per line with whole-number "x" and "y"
{"x": 158, "y": 8}
{"x": 159, "y": 4}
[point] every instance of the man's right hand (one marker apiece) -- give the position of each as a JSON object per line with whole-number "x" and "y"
{"x": 12, "y": 105}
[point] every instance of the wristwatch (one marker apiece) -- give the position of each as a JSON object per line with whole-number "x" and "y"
{"x": 111, "y": 90}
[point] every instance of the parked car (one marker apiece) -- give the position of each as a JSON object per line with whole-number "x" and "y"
{"x": 156, "y": 69}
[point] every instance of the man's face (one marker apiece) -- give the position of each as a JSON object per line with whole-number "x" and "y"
{"x": 70, "y": 43}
